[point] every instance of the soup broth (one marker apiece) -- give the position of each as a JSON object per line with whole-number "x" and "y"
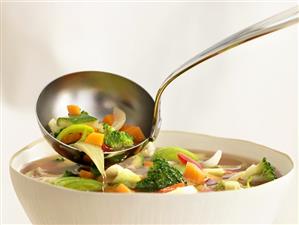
{"x": 214, "y": 177}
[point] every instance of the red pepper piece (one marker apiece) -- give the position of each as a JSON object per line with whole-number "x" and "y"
{"x": 184, "y": 159}
{"x": 106, "y": 148}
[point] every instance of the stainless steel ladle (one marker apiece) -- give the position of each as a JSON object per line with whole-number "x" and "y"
{"x": 99, "y": 92}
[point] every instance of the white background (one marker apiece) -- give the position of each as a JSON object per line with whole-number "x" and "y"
{"x": 249, "y": 92}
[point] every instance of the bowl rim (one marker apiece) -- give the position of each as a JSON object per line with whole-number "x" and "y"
{"x": 42, "y": 139}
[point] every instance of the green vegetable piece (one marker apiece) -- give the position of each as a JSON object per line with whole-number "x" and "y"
{"x": 220, "y": 186}
{"x": 170, "y": 153}
{"x": 78, "y": 183}
{"x": 95, "y": 170}
{"x": 95, "y": 153}
{"x": 263, "y": 171}
{"x": 59, "y": 159}
{"x": 117, "y": 139}
{"x": 227, "y": 185}
{"x": 76, "y": 128}
{"x": 249, "y": 180}
{"x": 159, "y": 176}
{"x": 180, "y": 167}
{"x": 68, "y": 173}
{"x": 137, "y": 161}
{"x": 82, "y": 118}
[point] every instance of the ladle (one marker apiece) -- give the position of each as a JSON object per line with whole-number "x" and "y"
{"x": 99, "y": 92}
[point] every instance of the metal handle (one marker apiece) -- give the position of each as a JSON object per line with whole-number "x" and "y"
{"x": 269, "y": 25}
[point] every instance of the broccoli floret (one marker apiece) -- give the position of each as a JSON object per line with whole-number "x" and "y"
{"x": 117, "y": 139}
{"x": 159, "y": 176}
{"x": 262, "y": 172}
{"x": 220, "y": 186}
{"x": 267, "y": 170}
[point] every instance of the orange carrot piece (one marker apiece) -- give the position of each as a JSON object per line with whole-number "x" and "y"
{"x": 74, "y": 110}
{"x": 171, "y": 188}
{"x": 86, "y": 174}
{"x": 109, "y": 119}
{"x": 148, "y": 163}
{"x": 71, "y": 138}
{"x": 134, "y": 131}
{"x": 95, "y": 139}
{"x": 125, "y": 126}
{"x": 121, "y": 188}
{"x": 194, "y": 174}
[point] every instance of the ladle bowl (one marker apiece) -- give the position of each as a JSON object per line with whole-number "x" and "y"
{"x": 96, "y": 92}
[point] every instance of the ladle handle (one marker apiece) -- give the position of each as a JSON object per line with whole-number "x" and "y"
{"x": 269, "y": 25}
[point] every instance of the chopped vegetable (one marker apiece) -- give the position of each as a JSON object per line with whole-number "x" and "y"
{"x": 148, "y": 163}
{"x": 83, "y": 118}
{"x": 76, "y": 128}
{"x": 117, "y": 139}
{"x": 117, "y": 174}
{"x": 214, "y": 171}
{"x": 184, "y": 159}
{"x": 73, "y": 110}
{"x": 171, "y": 153}
{"x": 194, "y": 174}
{"x": 121, "y": 188}
{"x": 214, "y": 160}
{"x": 86, "y": 174}
{"x": 119, "y": 118}
{"x": 137, "y": 161}
{"x": 228, "y": 185}
{"x": 78, "y": 183}
{"x": 108, "y": 119}
{"x": 95, "y": 153}
{"x": 95, "y": 138}
{"x": 172, "y": 187}
{"x": 159, "y": 176}
{"x": 149, "y": 149}
{"x": 54, "y": 127}
{"x": 59, "y": 159}
{"x": 71, "y": 138}
{"x": 263, "y": 172}
{"x": 68, "y": 173}
{"x": 135, "y": 132}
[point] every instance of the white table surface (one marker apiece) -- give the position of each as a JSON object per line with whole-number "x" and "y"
{"x": 248, "y": 93}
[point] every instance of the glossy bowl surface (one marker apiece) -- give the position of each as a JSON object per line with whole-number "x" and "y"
{"x": 47, "y": 204}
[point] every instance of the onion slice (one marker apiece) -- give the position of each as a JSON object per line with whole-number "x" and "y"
{"x": 214, "y": 160}
{"x": 231, "y": 167}
{"x": 119, "y": 118}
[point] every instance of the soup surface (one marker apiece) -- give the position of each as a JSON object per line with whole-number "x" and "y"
{"x": 161, "y": 170}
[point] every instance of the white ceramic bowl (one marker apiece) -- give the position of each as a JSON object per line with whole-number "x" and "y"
{"x": 47, "y": 204}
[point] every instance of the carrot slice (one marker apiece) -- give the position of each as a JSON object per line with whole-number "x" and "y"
{"x": 125, "y": 126}
{"x": 74, "y": 110}
{"x": 95, "y": 139}
{"x": 71, "y": 138}
{"x": 109, "y": 119}
{"x": 86, "y": 174}
{"x": 134, "y": 131}
{"x": 194, "y": 174}
{"x": 148, "y": 163}
{"x": 121, "y": 188}
{"x": 171, "y": 188}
